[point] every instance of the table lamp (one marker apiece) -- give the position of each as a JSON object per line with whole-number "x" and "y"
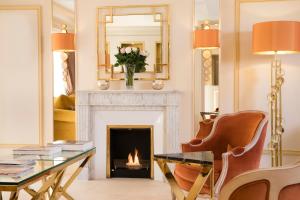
{"x": 273, "y": 38}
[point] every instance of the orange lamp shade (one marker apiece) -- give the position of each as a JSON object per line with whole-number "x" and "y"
{"x": 63, "y": 42}
{"x": 206, "y": 39}
{"x": 281, "y": 37}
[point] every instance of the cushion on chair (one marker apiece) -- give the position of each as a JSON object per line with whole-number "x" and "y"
{"x": 186, "y": 175}
{"x": 257, "y": 190}
{"x": 290, "y": 192}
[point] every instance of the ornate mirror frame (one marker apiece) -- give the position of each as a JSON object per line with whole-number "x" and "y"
{"x": 160, "y": 13}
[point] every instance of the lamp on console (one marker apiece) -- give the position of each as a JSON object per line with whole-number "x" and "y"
{"x": 63, "y": 41}
{"x": 273, "y": 38}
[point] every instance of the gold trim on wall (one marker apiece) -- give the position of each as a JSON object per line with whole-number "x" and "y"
{"x": 109, "y": 127}
{"x": 237, "y": 46}
{"x": 38, "y": 9}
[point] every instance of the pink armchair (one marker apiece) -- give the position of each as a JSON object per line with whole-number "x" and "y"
{"x": 237, "y": 143}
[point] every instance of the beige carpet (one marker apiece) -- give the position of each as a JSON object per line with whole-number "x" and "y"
{"x": 116, "y": 189}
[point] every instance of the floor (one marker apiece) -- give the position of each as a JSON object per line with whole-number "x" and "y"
{"x": 116, "y": 189}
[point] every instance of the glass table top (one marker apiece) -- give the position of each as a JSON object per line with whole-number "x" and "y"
{"x": 203, "y": 157}
{"x": 42, "y": 164}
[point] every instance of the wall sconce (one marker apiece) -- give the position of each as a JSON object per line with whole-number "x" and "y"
{"x": 273, "y": 38}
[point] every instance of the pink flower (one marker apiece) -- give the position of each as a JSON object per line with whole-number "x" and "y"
{"x": 122, "y": 50}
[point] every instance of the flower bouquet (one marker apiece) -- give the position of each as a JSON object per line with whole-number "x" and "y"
{"x": 133, "y": 60}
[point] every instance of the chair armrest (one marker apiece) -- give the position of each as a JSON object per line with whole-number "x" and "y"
{"x": 236, "y": 162}
{"x": 237, "y": 151}
{"x": 197, "y": 145}
{"x": 188, "y": 147}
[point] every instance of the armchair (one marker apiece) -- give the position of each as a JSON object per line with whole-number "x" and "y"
{"x": 237, "y": 143}
{"x": 264, "y": 184}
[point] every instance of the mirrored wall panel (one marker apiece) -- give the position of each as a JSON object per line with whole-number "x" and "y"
{"x": 206, "y": 59}
{"x": 64, "y": 69}
{"x": 140, "y": 27}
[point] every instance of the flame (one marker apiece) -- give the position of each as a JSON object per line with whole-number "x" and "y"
{"x": 133, "y": 161}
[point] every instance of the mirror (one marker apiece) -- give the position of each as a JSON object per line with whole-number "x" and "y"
{"x": 206, "y": 63}
{"x": 64, "y": 71}
{"x": 143, "y": 27}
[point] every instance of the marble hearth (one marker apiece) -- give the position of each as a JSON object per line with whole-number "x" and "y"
{"x": 98, "y": 109}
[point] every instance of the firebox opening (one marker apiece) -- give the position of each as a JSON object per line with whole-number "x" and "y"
{"x": 130, "y": 151}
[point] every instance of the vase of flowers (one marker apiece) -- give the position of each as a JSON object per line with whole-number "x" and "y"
{"x": 133, "y": 60}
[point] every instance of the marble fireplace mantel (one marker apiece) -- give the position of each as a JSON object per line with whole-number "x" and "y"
{"x": 91, "y": 103}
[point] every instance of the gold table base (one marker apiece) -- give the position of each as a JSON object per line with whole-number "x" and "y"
{"x": 177, "y": 192}
{"x": 52, "y": 187}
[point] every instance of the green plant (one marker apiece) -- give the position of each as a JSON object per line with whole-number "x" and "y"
{"x": 131, "y": 57}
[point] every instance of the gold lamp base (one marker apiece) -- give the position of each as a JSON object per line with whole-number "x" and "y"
{"x": 275, "y": 99}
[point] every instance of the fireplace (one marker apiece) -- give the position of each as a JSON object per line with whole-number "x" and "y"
{"x": 129, "y": 151}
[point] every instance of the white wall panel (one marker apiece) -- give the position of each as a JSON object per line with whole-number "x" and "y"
{"x": 20, "y": 76}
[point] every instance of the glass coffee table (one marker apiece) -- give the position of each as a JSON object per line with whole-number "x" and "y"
{"x": 48, "y": 169}
{"x": 203, "y": 159}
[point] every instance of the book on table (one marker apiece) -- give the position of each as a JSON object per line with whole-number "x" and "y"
{"x": 15, "y": 167}
{"x": 16, "y": 162}
{"x": 68, "y": 145}
{"x": 37, "y": 150}
{"x": 15, "y": 170}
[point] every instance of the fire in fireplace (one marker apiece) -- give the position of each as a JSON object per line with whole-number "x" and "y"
{"x": 130, "y": 151}
{"x": 133, "y": 161}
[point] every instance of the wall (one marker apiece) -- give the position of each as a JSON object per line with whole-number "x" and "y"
{"x": 47, "y": 61}
{"x": 226, "y": 69}
{"x": 180, "y": 56}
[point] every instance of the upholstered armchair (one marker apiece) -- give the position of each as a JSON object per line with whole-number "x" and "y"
{"x": 237, "y": 143}
{"x": 64, "y": 118}
{"x": 264, "y": 184}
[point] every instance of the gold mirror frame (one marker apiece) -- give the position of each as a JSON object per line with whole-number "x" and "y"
{"x": 105, "y": 15}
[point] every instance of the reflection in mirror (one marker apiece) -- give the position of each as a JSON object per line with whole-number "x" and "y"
{"x": 140, "y": 31}
{"x": 206, "y": 60}
{"x": 64, "y": 70}
{"x": 143, "y": 27}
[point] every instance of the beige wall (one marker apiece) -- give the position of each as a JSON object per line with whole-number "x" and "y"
{"x": 181, "y": 51}
{"x": 226, "y": 69}
{"x": 47, "y": 61}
